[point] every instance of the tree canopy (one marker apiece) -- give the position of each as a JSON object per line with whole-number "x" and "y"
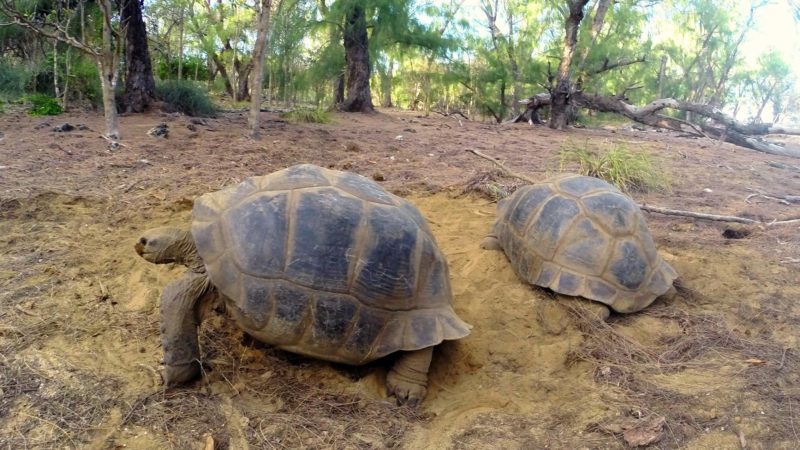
{"x": 479, "y": 58}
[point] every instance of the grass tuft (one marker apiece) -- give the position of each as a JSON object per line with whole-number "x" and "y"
{"x": 306, "y": 115}
{"x": 628, "y": 170}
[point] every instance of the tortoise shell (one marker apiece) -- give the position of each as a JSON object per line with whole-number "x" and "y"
{"x": 581, "y": 236}
{"x": 326, "y": 264}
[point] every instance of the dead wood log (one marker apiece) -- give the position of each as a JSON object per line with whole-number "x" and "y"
{"x": 651, "y": 208}
{"x": 719, "y": 125}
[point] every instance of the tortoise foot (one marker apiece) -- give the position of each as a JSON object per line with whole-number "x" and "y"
{"x": 408, "y": 379}
{"x": 175, "y": 375}
{"x": 406, "y": 392}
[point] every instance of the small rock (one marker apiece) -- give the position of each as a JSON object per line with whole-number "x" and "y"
{"x": 707, "y": 190}
{"x": 378, "y": 176}
{"x": 410, "y": 130}
{"x": 736, "y": 233}
{"x": 159, "y": 131}
{"x": 399, "y": 137}
{"x": 191, "y": 127}
{"x": 63, "y": 128}
{"x": 82, "y": 127}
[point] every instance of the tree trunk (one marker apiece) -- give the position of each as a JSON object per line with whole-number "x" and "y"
{"x": 67, "y": 75}
{"x": 140, "y": 87}
{"x": 561, "y": 94}
{"x": 107, "y": 63}
{"x": 662, "y": 72}
{"x": 242, "y": 79}
{"x": 56, "y": 88}
{"x": 259, "y": 54}
{"x": 516, "y": 77}
{"x": 223, "y": 73}
{"x": 597, "y": 26}
{"x": 180, "y": 44}
{"x": 765, "y": 101}
{"x": 386, "y": 83}
{"x": 356, "y": 46}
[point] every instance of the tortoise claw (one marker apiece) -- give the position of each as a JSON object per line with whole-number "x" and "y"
{"x": 406, "y": 393}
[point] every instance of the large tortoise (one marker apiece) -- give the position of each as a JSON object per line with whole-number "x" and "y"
{"x": 581, "y": 236}
{"x": 313, "y": 261}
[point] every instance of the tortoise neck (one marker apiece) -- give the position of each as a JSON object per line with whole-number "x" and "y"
{"x": 184, "y": 251}
{"x": 188, "y": 255}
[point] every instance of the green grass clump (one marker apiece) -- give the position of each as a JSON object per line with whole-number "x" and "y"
{"x": 629, "y": 171}
{"x": 186, "y": 97}
{"x": 306, "y": 115}
{"x": 44, "y": 105}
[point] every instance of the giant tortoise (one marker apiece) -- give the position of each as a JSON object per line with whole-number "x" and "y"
{"x": 581, "y": 236}
{"x": 313, "y": 261}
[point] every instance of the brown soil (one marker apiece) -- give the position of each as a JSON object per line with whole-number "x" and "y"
{"x": 718, "y": 365}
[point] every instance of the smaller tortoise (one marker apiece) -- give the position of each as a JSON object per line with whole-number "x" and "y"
{"x": 322, "y": 263}
{"x": 581, "y": 236}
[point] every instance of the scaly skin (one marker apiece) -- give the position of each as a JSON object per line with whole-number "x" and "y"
{"x": 181, "y": 311}
{"x": 408, "y": 379}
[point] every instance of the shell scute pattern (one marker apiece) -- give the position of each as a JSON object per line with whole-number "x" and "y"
{"x": 583, "y": 237}
{"x": 248, "y": 223}
{"x": 386, "y": 272}
{"x": 326, "y": 264}
{"x": 325, "y": 229}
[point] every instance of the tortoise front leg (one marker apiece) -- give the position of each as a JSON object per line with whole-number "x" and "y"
{"x": 408, "y": 379}
{"x": 179, "y": 322}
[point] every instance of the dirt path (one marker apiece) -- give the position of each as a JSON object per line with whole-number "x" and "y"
{"x": 79, "y": 348}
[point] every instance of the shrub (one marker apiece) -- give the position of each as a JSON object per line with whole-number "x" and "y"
{"x": 13, "y": 79}
{"x": 306, "y": 115}
{"x": 44, "y": 105}
{"x": 186, "y": 97}
{"x": 629, "y": 171}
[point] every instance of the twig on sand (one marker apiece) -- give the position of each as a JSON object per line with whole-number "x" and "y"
{"x": 26, "y": 312}
{"x": 505, "y": 169}
{"x": 783, "y": 199}
{"x": 113, "y": 142}
{"x": 158, "y": 379}
{"x": 655, "y": 209}
{"x": 52, "y": 424}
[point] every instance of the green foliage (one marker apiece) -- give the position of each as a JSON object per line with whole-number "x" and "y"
{"x": 44, "y": 105}
{"x": 306, "y": 115}
{"x": 13, "y": 80}
{"x": 186, "y": 97}
{"x": 84, "y": 80}
{"x": 630, "y": 171}
{"x": 168, "y": 69}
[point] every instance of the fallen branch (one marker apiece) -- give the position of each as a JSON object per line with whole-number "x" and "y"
{"x": 696, "y": 215}
{"x": 783, "y": 199}
{"x": 502, "y": 167}
{"x": 650, "y": 208}
{"x": 718, "y": 126}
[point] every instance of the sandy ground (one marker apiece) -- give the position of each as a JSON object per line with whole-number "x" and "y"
{"x": 716, "y": 367}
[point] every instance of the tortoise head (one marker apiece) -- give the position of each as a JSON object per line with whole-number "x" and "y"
{"x": 165, "y": 245}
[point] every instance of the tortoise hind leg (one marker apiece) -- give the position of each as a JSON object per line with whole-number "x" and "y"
{"x": 408, "y": 379}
